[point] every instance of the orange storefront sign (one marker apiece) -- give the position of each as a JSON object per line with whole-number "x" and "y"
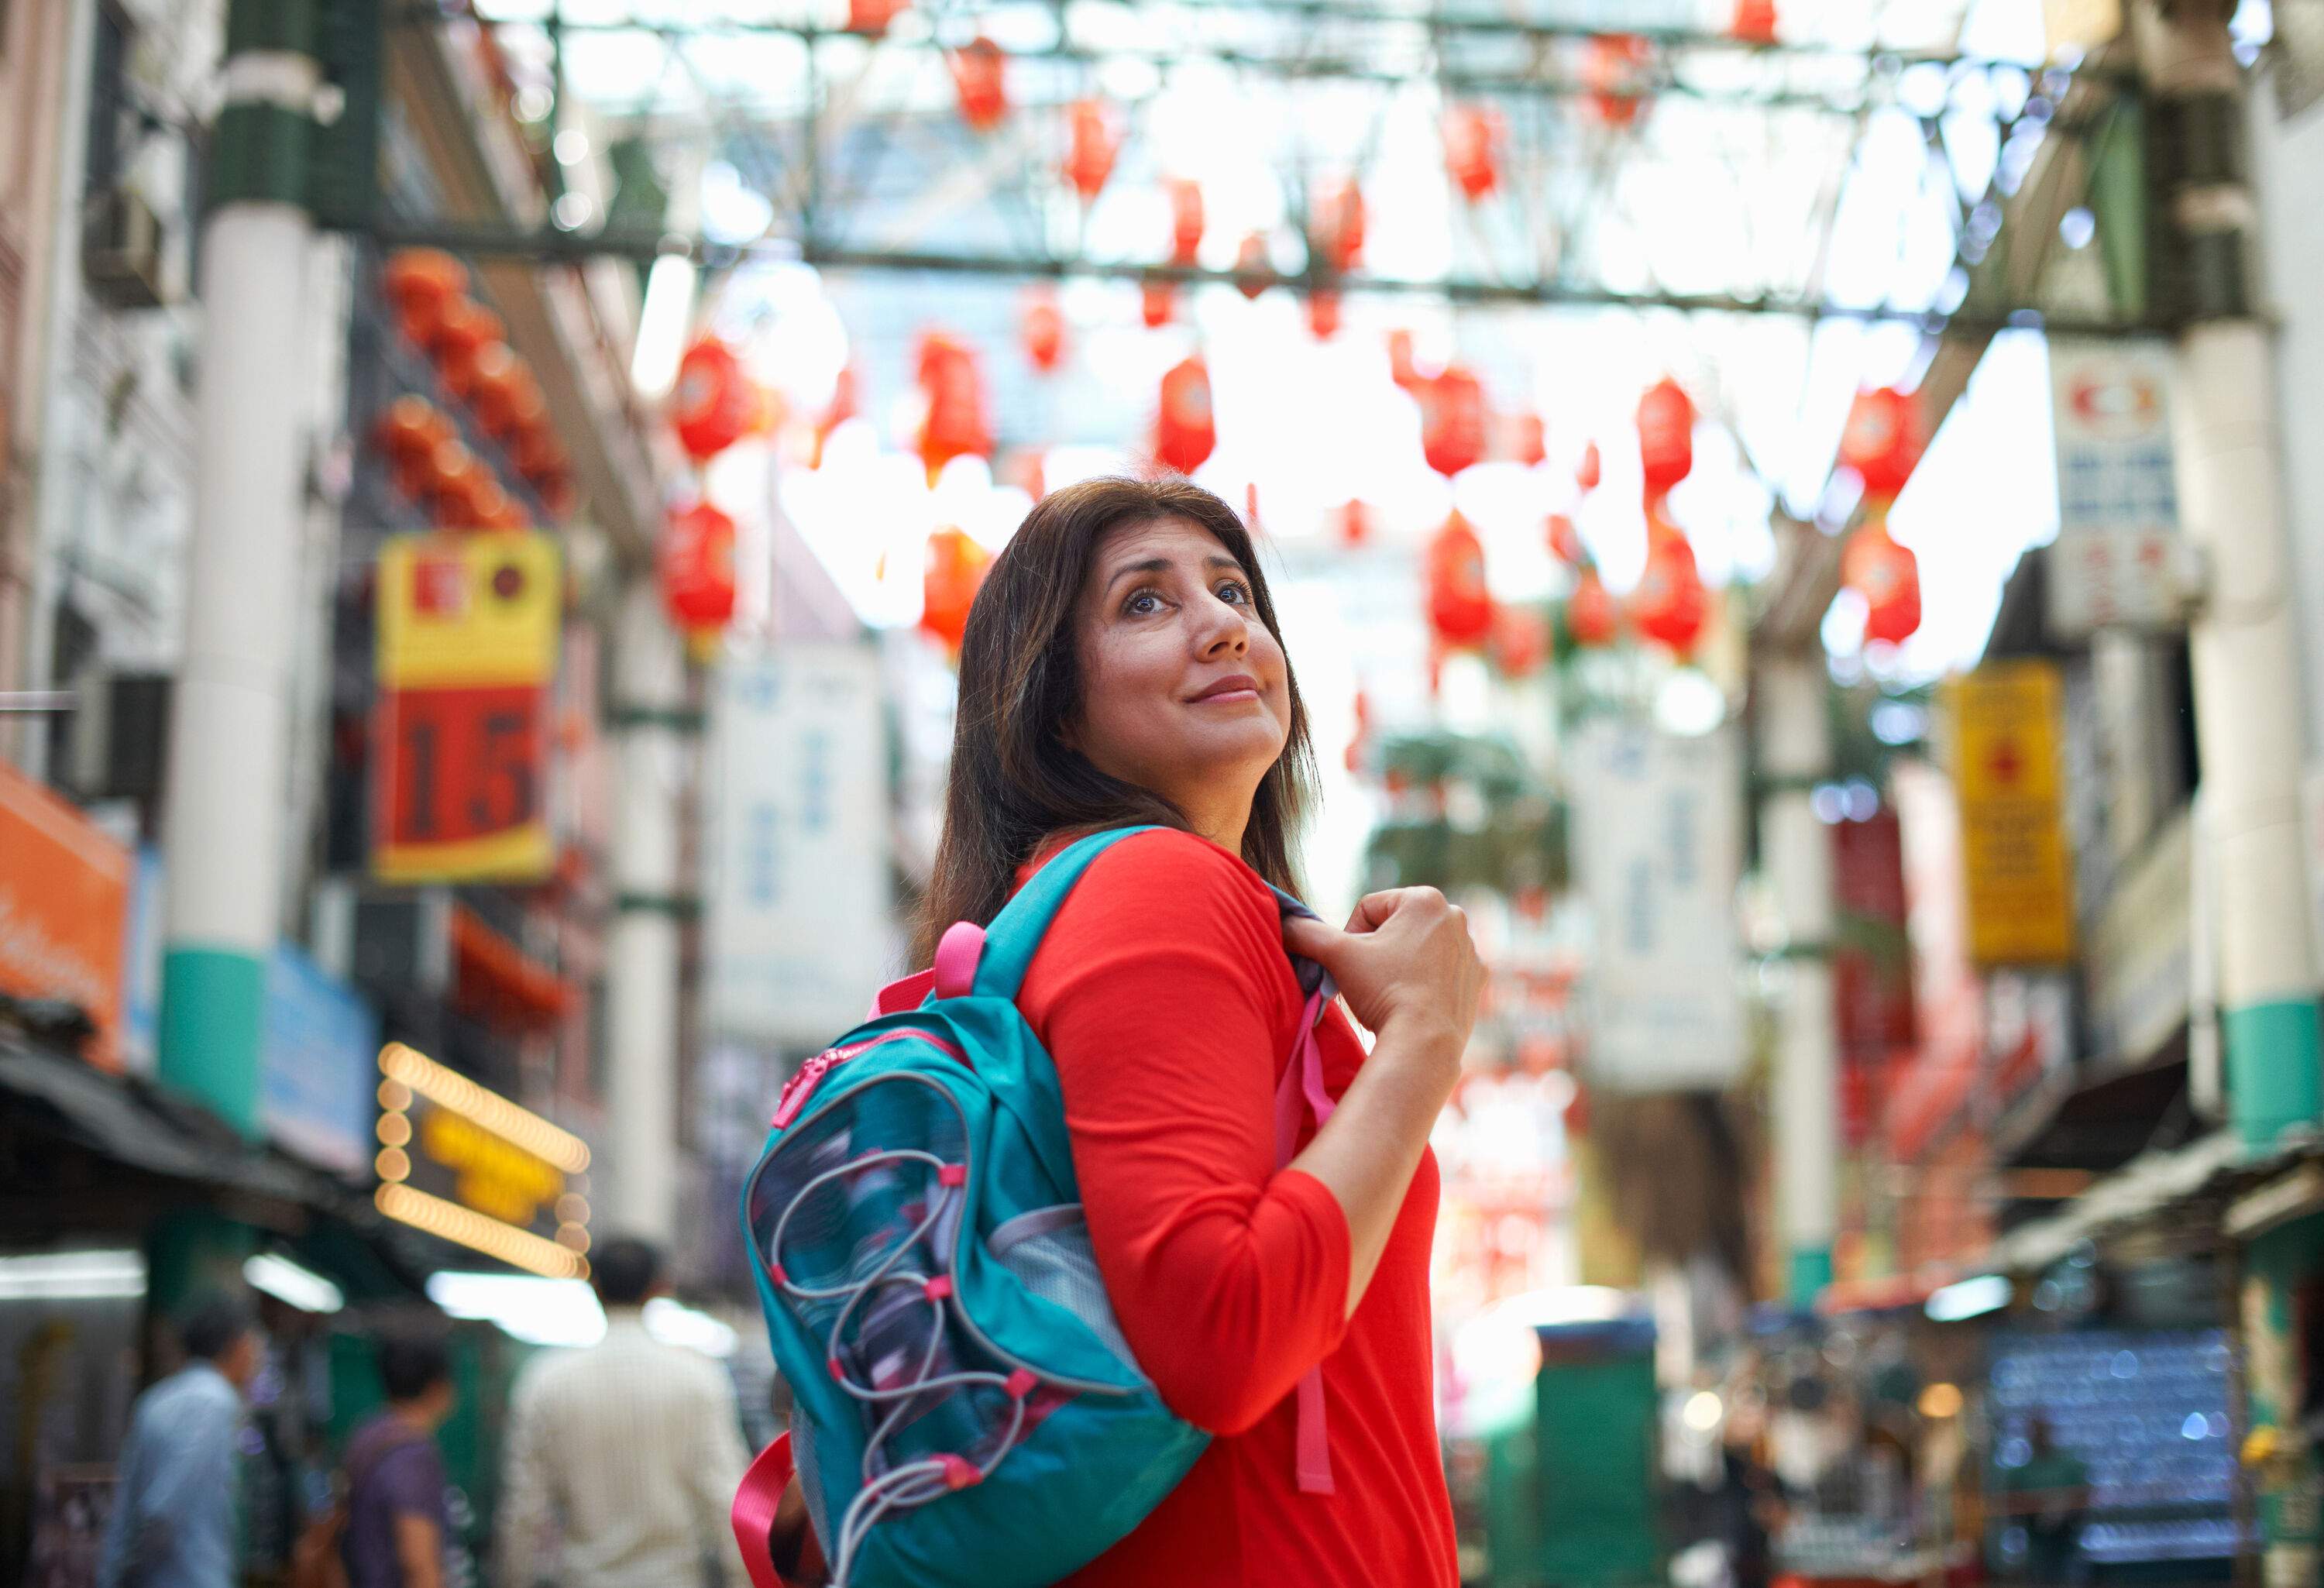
{"x": 64, "y": 907}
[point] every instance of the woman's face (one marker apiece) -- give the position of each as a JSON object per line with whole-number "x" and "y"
{"x": 1183, "y": 690}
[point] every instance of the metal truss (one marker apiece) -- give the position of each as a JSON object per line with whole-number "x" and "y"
{"x": 857, "y": 149}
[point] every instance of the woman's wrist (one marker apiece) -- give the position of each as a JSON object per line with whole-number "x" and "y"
{"x": 1422, "y": 1035}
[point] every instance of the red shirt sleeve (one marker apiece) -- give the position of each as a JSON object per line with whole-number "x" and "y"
{"x": 1164, "y": 996}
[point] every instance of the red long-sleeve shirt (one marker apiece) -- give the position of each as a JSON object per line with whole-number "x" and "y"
{"x": 1164, "y": 995}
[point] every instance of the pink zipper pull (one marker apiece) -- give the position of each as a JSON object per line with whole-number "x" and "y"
{"x": 797, "y": 1089}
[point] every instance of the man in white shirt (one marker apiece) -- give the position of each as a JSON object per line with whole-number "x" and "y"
{"x": 621, "y": 1459}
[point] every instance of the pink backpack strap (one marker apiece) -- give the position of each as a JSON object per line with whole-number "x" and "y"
{"x": 754, "y": 1515}
{"x": 952, "y": 975}
{"x": 1299, "y": 1096}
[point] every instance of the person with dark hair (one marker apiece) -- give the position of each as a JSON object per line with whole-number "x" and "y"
{"x": 621, "y": 1460}
{"x": 1122, "y": 666}
{"x": 399, "y": 1518}
{"x": 172, "y": 1522}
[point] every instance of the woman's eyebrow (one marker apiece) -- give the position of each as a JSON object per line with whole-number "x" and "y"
{"x": 1160, "y": 565}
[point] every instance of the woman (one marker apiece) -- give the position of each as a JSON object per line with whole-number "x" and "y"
{"x": 1121, "y": 666}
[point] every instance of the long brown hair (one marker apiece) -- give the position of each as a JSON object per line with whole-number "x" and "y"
{"x": 1014, "y": 781}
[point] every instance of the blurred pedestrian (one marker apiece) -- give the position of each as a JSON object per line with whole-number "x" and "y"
{"x": 398, "y": 1527}
{"x": 2048, "y": 1493}
{"x": 621, "y": 1459}
{"x": 1123, "y": 667}
{"x": 172, "y": 1522}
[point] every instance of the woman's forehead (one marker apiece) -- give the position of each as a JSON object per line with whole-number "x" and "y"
{"x": 1176, "y": 539}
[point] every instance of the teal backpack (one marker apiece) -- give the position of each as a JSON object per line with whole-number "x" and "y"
{"x": 966, "y": 1413}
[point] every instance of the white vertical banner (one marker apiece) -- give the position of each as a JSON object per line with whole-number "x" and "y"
{"x": 2119, "y": 561}
{"x": 800, "y": 922}
{"x": 1657, "y": 845}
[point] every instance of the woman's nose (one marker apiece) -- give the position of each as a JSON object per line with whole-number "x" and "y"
{"x": 1224, "y": 629}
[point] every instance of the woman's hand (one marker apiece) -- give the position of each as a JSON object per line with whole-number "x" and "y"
{"x": 1404, "y": 963}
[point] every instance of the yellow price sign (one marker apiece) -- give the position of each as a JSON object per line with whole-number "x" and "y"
{"x": 2003, "y": 725}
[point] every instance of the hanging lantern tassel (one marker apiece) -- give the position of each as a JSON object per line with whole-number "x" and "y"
{"x": 1614, "y": 68}
{"x": 840, "y": 409}
{"x": 1754, "y": 21}
{"x": 980, "y": 81}
{"x": 1888, "y": 576}
{"x": 1185, "y": 433}
{"x": 1565, "y": 541}
{"x": 1591, "y": 470}
{"x": 1355, "y": 523}
{"x": 1459, "y": 606}
{"x": 1520, "y": 642}
{"x": 1339, "y": 232}
{"x": 1324, "y": 315}
{"x": 696, "y": 565}
{"x": 1093, "y": 140}
{"x": 1670, "y": 604}
{"x": 1157, "y": 300}
{"x": 955, "y": 570}
{"x": 1253, "y": 268}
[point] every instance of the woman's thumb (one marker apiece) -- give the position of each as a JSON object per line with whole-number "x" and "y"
{"x": 1306, "y": 935}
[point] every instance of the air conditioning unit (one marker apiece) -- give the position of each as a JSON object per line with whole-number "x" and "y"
{"x": 122, "y": 251}
{"x": 401, "y": 942}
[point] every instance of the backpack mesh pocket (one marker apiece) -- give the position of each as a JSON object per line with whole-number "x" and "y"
{"x": 1049, "y": 1252}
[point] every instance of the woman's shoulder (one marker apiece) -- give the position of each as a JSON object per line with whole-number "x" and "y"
{"x": 1163, "y": 881}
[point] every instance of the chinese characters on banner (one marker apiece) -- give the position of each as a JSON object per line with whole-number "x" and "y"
{"x": 467, "y": 649}
{"x": 2003, "y": 723}
{"x": 2119, "y": 561}
{"x": 799, "y": 924}
{"x": 1658, "y": 829}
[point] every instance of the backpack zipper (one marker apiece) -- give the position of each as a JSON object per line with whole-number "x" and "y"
{"x": 801, "y": 1087}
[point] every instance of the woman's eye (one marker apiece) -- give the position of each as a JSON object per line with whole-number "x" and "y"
{"x": 1142, "y": 603}
{"x": 1233, "y": 590}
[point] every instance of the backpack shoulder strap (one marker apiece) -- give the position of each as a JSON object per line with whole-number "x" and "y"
{"x": 1016, "y": 933}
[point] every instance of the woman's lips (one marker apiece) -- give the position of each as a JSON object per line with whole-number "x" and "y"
{"x": 1241, "y": 686}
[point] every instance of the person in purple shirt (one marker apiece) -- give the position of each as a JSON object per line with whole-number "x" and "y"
{"x": 399, "y": 1520}
{"x": 173, "y": 1521}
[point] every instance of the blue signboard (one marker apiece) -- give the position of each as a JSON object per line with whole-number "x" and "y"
{"x": 318, "y": 1063}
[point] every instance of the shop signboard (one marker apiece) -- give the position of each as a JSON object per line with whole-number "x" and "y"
{"x": 1871, "y": 959}
{"x": 467, "y": 635}
{"x": 1658, "y": 829}
{"x": 316, "y": 1052}
{"x": 2141, "y": 963}
{"x": 800, "y": 927}
{"x": 64, "y": 907}
{"x": 464, "y": 1163}
{"x": 2003, "y": 725}
{"x": 2119, "y": 561}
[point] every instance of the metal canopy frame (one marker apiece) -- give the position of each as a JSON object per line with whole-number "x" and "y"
{"x": 849, "y": 138}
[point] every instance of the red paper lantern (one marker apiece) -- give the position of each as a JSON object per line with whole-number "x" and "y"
{"x": 1092, "y": 140}
{"x": 1670, "y": 604}
{"x": 452, "y": 478}
{"x": 1520, "y": 642}
{"x": 517, "y": 407}
{"x": 1339, "y": 231}
{"x": 1253, "y": 268}
{"x": 1157, "y": 300}
{"x": 1565, "y": 541}
{"x": 463, "y": 329}
{"x": 538, "y": 455}
{"x": 714, "y": 403}
{"x": 1354, "y": 522}
{"x": 1530, "y": 441}
{"x": 1883, "y": 441}
{"x": 408, "y": 434}
{"x": 1184, "y": 430}
{"x": 1614, "y": 69}
{"x": 422, "y": 283}
{"x": 1186, "y": 219}
{"x": 1324, "y": 315}
{"x": 955, "y": 569}
{"x": 1754, "y": 21}
{"x": 1042, "y": 330}
{"x": 494, "y": 378}
{"x": 1888, "y": 576}
{"x": 870, "y": 17}
{"x": 696, "y": 564}
{"x": 1472, "y": 150}
{"x": 1666, "y": 436}
{"x": 557, "y": 495}
{"x": 980, "y": 80}
{"x": 1591, "y": 470}
{"x": 1452, "y": 422}
{"x": 954, "y": 425}
{"x": 1358, "y": 741}
{"x": 1592, "y": 615}
{"x": 1460, "y": 607}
